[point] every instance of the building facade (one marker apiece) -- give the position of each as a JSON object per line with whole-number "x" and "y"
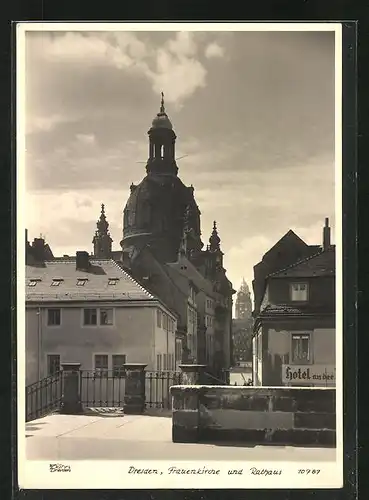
{"x": 294, "y": 339}
{"x": 89, "y": 311}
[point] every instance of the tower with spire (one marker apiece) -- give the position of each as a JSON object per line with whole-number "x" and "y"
{"x": 243, "y": 307}
{"x": 102, "y": 240}
{"x": 160, "y": 205}
{"x": 162, "y": 140}
{"x": 162, "y": 247}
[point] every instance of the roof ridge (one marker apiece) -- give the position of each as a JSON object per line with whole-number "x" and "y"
{"x": 305, "y": 259}
{"x": 133, "y": 280}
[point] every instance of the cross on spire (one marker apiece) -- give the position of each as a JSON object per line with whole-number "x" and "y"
{"x": 162, "y": 108}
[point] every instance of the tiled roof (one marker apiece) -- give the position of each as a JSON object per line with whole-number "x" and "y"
{"x": 289, "y": 310}
{"x": 320, "y": 264}
{"x": 96, "y": 286}
{"x": 190, "y": 271}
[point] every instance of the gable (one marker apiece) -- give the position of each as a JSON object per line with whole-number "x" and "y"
{"x": 320, "y": 264}
{"x": 286, "y": 243}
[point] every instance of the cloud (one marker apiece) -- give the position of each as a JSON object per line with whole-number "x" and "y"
{"x": 183, "y": 45}
{"x": 214, "y": 50}
{"x": 43, "y": 123}
{"x": 172, "y": 67}
{"x": 71, "y": 216}
{"x": 87, "y": 139}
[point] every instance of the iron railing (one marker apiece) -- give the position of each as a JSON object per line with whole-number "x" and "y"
{"x": 44, "y": 397}
{"x": 102, "y": 389}
{"x": 211, "y": 379}
{"x": 157, "y": 388}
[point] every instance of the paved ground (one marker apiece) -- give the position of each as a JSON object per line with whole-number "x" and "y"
{"x": 86, "y": 437}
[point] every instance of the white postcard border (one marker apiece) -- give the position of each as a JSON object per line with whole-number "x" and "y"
{"x": 94, "y": 474}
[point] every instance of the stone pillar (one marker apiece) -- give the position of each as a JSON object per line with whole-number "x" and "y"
{"x": 193, "y": 374}
{"x": 186, "y": 414}
{"x": 71, "y": 402}
{"x": 134, "y": 397}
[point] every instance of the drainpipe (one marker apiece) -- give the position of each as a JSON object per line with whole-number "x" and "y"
{"x": 39, "y": 343}
{"x": 167, "y": 332}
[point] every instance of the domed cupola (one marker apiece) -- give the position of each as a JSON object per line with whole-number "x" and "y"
{"x": 161, "y": 120}
{"x": 162, "y": 145}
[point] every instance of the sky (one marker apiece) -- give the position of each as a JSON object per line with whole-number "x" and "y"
{"x": 253, "y": 112}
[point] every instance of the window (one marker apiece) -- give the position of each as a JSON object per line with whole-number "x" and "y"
{"x": 299, "y": 292}
{"x": 32, "y": 282}
{"x": 106, "y": 316}
{"x": 53, "y": 317}
{"x": 158, "y": 362}
{"x": 165, "y": 321}
{"x": 118, "y": 362}
{"x": 53, "y": 364}
{"x": 81, "y": 281}
{"x": 90, "y": 317}
{"x": 158, "y": 318}
{"x": 178, "y": 353}
{"x": 101, "y": 363}
{"x": 113, "y": 281}
{"x": 165, "y": 362}
{"x": 301, "y": 348}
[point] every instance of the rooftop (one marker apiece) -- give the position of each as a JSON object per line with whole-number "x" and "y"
{"x": 103, "y": 280}
{"x": 322, "y": 263}
{"x": 283, "y": 310}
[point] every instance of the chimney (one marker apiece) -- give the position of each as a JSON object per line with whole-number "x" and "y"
{"x": 38, "y": 246}
{"x": 326, "y": 235}
{"x": 82, "y": 261}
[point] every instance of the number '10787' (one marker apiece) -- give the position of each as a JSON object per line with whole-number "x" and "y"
{"x": 308, "y": 471}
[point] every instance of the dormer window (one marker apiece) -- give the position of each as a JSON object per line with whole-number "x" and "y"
{"x": 56, "y": 281}
{"x": 81, "y": 281}
{"x": 299, "y": 292}
{"x": 113, "y": 281}
{"x": 33, "y": 282}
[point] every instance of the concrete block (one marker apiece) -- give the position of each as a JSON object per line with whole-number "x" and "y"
{"x": 252, "y": 436}
{"x": 257, "y": 420}
{"x": 283, "y": 403}
{"x": 315, "y": 420}
{"x": 182, "y": 434}
{"x": 186, "y": 418}
{"x": 303, "y": 437}
{"x": 315, "y": 400}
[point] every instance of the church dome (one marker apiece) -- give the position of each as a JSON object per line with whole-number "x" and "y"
{"x": 161, "y": 120}
{"x": 156, "y": 208}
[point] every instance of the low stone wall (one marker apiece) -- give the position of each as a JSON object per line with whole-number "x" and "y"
{"x": 257, "y": 415}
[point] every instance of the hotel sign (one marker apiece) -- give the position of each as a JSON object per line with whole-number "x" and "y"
{"x": 309, "y": 374}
